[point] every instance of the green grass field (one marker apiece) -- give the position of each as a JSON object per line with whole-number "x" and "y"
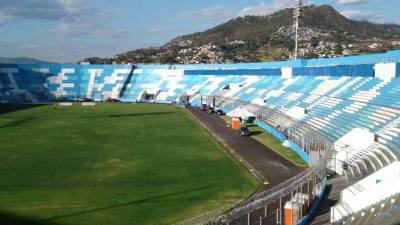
{"x": 112, "y": 164}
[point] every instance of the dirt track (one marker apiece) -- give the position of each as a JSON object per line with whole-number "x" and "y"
{"x": 268, "y": 164}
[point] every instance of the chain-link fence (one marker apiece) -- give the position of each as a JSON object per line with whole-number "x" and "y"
{"x": 290, "y": 201}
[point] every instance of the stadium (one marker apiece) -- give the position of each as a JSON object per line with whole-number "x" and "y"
{"x": 143, "y": 152}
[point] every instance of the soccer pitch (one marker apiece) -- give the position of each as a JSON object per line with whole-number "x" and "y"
{"x": 112, "y": 164}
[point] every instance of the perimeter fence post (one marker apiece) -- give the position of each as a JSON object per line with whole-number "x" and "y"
{"x": 292, "y": 205}
{"x": 265, "y": 211}
{"x": 277, "y": 216}
{"x": 301, "y": 208}
{"x": 280, "y": 210}
{"x": 308, "y": 192}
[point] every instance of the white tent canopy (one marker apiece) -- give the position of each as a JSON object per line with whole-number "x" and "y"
{"x": 356, "y": 140}
{"x": 351, "y": 144}
{"x": 240, "y": 112}
{"x": 297, "y": 113}
{"x": 152, "y": 91}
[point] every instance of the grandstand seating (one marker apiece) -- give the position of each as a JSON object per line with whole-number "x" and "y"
{"x": 338, "y": 95}
{"x": 377, "y": 187}
{"x": 387, "y": 211}
{"x": 40, "y": 83}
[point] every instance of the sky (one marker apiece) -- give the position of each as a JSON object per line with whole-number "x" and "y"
{"x": 70, "y": 30}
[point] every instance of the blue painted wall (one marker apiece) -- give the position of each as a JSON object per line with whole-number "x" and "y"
{"x": 333, "y": 71}
{"x": 257, "y": 72}
{"x": 366, "y": 70}
{"x": 270, "y": 130}
{"x": 282, "y": 139}
{"x": 398, "y": 70}
{"x": 322, "y": 195}
{"x": 303, "y": 155}
{"x": 392, "y": 56}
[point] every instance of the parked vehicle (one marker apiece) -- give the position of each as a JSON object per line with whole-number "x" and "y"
{"x": 250, "y": 119}
{"x": 84, "y": 99}
{"x": 219, "y": 112}
{"x": 244, "y": 131}
{"x": 204, "y": 107}
{"x": 64, "y": 99}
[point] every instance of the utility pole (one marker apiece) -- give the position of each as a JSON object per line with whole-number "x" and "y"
{"x": 296, "y": 13}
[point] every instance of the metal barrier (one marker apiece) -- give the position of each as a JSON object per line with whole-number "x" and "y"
{"x": 203, "y": 218}
{"x": 268, "y": 207}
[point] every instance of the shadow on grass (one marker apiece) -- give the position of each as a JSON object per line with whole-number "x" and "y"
{"x": 256, "y": 133}
{"x": 141, "y": 201}
{"x": 110, "y": 116}
{"x": 7, "y": 108}
{"x": 19, "y": 122}
{"x": 138, "y": 114}
{"x": 250, "y": 125}
{"x": 22, "y": 120}
{"x": 7, "y": 218}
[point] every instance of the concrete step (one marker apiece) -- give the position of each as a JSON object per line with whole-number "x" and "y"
{"x": 335, "y": 186}
{"x": 321, "y": 219}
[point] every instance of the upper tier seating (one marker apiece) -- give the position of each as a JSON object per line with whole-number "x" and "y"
{"x": 335, "y": 105}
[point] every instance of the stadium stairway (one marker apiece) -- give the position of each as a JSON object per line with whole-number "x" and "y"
{"x": 385, "y": 212}
{"x": 334, "y": 187}
{"x": 368, "y": 161}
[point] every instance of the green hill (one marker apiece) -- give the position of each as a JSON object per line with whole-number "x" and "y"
{"x": 324, "y": 32}
{"x": 22, "y": 60}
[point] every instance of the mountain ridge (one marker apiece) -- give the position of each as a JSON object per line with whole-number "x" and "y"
{"x": 22, "y": 60}
{"x": 324, "y": 32}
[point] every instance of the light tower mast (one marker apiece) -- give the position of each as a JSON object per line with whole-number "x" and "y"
{"x": 296, "y": 13}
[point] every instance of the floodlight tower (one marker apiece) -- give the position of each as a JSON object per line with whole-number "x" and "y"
{"x": 296, "y": 13}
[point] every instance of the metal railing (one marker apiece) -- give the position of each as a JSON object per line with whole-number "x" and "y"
{"x": 267, "y": 207}
{"x": 203, "y": 218}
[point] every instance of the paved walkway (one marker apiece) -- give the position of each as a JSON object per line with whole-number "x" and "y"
{"x": 267, "y": 164}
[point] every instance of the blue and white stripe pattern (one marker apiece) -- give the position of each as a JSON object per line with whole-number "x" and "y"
{"x": 339, "y": 94}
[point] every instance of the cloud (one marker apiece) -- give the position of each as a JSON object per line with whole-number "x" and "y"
{"x": 28, "y": 46}
{"x": 263, "y": 9}
{"x": 71, "y": 29}
{"x": 73, "y": 17}
{"x": 351, "y": 2}
{"x": 89, "y": 28}
{"x": 69, "y": 18}
{"x": 159, "y": 30}
{"x": 62, "y": 52}
{"x": 362, "y": 15}
{"x": 4, "y": 18}
{"x": 53, "y": 10}
{"x": 209, "y": 13}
